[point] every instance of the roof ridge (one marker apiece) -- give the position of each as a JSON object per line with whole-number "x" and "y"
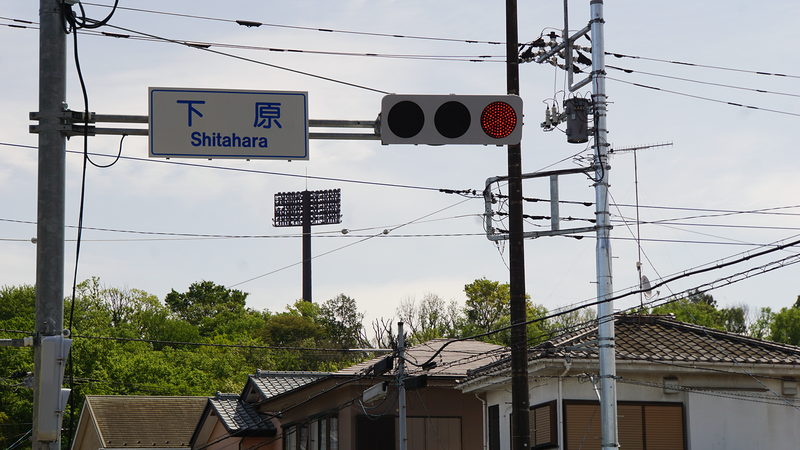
{"x": 731, "y": 335}
{"x": 287, "y": 373}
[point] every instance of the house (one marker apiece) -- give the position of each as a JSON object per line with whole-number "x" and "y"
{"x": 230, "y": 420}
{"x": 327, "y": 411}
{"x": 137, "y": 421}
{"x": 679, "y": 386}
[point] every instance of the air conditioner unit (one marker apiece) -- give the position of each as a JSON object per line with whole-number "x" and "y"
{"x": 374, "y": 393}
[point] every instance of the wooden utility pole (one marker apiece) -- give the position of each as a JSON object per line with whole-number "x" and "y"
{"x": 520, "y": 438}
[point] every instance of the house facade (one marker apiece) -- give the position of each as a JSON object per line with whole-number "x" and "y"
{"x": 331, "y": 413}
{"x": 228, "y": 422}
{"x": 679, "y": 386}
{"x": 137, "y": 421}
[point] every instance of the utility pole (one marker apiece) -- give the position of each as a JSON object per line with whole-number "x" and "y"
{"x": 50, "y": 209}
{"x": 520, "y": 438}
{"x": 605, "y": 310}
{"x": 401, "y": 375}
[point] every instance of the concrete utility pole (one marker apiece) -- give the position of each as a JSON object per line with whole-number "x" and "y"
{"x": 605, "y": 311}
{"x": 50, "y": 205}
{"x": 401, "y": 375}
{"x": 520, "y": 438}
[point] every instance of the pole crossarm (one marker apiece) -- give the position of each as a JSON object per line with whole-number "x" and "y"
{"x": 73, "y": 123}
{"x": 492, "y": 233}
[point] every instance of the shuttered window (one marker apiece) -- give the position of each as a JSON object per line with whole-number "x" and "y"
{"x": 543, "y": 421}
{"x": 432, "y": 433}
{"x": 640, "y": 426}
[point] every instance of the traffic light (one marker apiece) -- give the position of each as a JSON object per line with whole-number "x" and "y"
{"x": 52, "y": 397}
{"x": 451, "y": 119}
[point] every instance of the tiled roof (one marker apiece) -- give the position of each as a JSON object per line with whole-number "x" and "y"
{"x": 453, "y": 361}
{"x": 661, "y": 338}
{"x": 238, "y": 416}
{"x": 271, "y": 384}
{"x": 145, "y": 421}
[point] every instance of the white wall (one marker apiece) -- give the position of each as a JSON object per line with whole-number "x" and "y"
{"x": 717, "y": 423}
{"x": 712, "y": 420}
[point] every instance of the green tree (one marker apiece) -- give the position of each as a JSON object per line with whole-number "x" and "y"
{"x": 17, "y": 308}
{"x": 487, "y": 306}
{"x": 760, "y": 328}
{"x": 701, "y": 309}
{"x": 214, "y": 309}
{"x": 343, "y": 323}
{"x": 298, "y": 325}
{"x": 431, "y": 318}
{"x": 785, "y": 325}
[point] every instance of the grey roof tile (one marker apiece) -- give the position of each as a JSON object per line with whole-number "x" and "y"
{"x": 271, "y": 383}
{"x": 238, "y": 416}
{"x": 659, "y": 338}
{"x": 455, "y": 360}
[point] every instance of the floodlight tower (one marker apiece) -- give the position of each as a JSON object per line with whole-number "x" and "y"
{"x": 304, "y": 209}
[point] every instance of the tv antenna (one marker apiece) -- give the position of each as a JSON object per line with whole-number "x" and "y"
{"x": 644, "y": 283}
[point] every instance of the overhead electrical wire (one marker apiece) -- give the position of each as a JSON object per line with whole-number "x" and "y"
{"x": 206, "y": 44}
{"x": 384, "y": 232}
{"x": 774, "y": 211}
{"x": 707, "y": 83}
{"x": 699, "y": 97}
{"x": 680, "y": 63}
{"x": 254, "y": 61}
{"x": 242, "y": 58}
{"x": 187, "y": 237}
{"x": 71, "y": 22}
{"x": 252, "y": 24}
{"x": 262, "y": 172}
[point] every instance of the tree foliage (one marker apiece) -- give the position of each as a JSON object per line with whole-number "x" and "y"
{"x": 206, "y": 339}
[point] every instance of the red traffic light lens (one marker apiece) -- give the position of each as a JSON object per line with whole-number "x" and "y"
{"x": 498, "y": 120}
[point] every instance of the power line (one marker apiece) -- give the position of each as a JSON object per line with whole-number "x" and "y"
{"x": 718, "y": 212}
{"x": 207, "y": 44}
{"x": 235, "y": 169}
{"x": 242, "y": 58}
{"x": 255, "y": 347}
{"x": 620, "y": 55}
{"x": 385, "y": 232}
{"x": 251, "y": 24}
{"x": 704, "y": 98}
{"x": 761, "y": 91}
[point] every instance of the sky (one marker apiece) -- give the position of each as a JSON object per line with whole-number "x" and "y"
{"x": 726, "y": 186}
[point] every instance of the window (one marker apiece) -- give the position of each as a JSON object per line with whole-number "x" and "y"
{"x": 375, "y": 434}
{"x": 543, "y": 424}
{"x": 290, "y": 437}
{"x": 319, "y": 433}
{"x": 494, "y": 427}
{"x": 650, "y": 426}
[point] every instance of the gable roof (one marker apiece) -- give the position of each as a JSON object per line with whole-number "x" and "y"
{"x": 454, "y": 361}
{"x": 267, "y": 384}
{"x": 659, "y": 338}
{"x": 237, "y": 416}
{"x": 145, "y": 421}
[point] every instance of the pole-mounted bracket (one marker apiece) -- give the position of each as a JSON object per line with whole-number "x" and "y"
{"x": 73, "y": 123}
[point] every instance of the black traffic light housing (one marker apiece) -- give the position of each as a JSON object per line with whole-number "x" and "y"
{"x": 451, "y": 119}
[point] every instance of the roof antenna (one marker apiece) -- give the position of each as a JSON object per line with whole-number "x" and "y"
{"x": 644, "y": 283}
